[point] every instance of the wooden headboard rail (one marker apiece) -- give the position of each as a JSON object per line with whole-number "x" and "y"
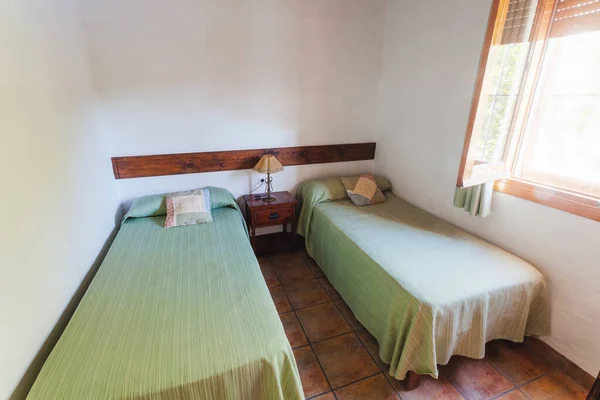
{"x": 193, "y": 163}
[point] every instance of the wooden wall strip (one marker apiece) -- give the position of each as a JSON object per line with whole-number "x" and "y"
{"x": 192, "y": 163}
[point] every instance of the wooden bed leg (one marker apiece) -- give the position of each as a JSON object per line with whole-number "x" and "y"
{"x": 412, "y": 381}
{"x": 515, "y": 345}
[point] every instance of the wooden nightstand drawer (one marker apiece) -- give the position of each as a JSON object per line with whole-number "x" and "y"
{"x": 275, "y": 216}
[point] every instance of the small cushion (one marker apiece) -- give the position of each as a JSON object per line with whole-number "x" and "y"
{"x": 363, "y": 190}
{"x": 188, "y": 208}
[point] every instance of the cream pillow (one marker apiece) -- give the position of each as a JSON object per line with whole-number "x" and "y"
{"x": 188, "y": 208}
{"x": 363, "y": 190}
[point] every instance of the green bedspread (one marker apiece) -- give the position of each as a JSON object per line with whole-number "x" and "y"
{"x": 424, "y": 288}
{"x": 181, "y": 313}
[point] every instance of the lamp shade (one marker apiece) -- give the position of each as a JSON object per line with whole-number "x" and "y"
{"x": 268, "y": 164}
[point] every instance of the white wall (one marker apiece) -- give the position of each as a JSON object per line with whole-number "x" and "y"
{"x": 58, "y": 199}
{"x": 431, "y": 54}
{"x": 205, "y": 75}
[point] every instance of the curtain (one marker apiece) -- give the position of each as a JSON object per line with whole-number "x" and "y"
{"x": 477, "y": 200}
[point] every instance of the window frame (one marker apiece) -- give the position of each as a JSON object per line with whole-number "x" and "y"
{"x": 561, "y": 199}
{"x": 571, "y": 201}
{"x": 492, "y": 35}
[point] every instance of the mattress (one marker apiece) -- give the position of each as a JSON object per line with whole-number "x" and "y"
{"x": 425, "y": 289}
{"x": 174, "y": 313}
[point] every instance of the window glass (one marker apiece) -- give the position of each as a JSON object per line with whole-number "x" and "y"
{"x": 561, "y": 143}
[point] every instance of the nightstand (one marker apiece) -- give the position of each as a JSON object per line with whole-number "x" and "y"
{"x": 262, "y": 214}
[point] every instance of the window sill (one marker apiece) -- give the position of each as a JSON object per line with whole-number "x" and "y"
{"x": 571, "y": 202}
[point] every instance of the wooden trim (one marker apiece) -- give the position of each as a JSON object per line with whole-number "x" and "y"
{"x": 590, "y": 189}
{"x": 487, "y": 44}
{"x": 500, "y": 22}
{"x": 193, "y": 163}
{"x": 115, "y": 166}
{"x": 565, "y": 200}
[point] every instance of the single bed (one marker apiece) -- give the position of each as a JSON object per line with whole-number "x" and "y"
{"x": 425, "y": 289}
{"x": 174, "y": 313}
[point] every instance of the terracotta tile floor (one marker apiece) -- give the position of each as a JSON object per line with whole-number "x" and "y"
{"x": 338, "y": 358}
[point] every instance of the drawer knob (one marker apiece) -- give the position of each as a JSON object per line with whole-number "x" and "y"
{"x": 274, "y": 215}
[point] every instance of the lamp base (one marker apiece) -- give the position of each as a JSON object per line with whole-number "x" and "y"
{"x": 269, "y": 199}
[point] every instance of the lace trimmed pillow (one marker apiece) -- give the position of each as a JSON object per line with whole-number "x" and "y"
{"x": 363, "y": 190}
{"x": 188, "y": 208}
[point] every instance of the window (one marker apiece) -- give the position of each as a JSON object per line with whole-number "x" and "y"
{"x": 535, "y": 117}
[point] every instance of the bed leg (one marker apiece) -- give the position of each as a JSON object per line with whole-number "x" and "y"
{"x": 515, "y": 345}
{"x": 412, "y": 381}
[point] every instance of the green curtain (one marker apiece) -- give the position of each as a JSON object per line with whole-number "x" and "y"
{"x": 477, "y": 200}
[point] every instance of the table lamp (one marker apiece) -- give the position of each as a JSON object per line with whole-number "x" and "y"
{"x": 268, "y": 164}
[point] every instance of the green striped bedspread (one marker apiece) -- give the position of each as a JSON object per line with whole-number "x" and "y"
{"x": 181, "y": 313}
{"x": 424, "y": 288}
